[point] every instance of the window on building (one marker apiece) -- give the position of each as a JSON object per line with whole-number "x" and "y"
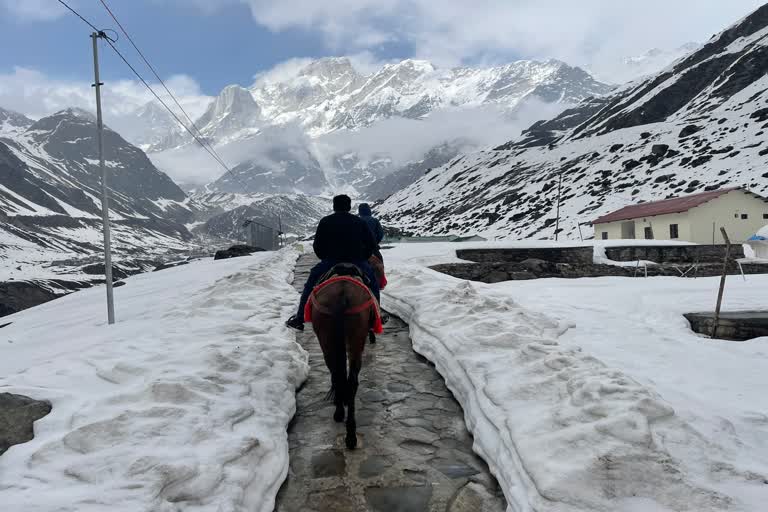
{"x": 765, "y": 215}
{"x": 735, "y": 215}
{"x": 648, "y": 233}
{"x": 744, "y": 216}
{"x": 605, "y": 235}
{"x": 673, "y": 231}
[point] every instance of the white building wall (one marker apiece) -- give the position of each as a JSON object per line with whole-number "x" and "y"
{"x": 727, "y": 211}
{"x": 660, "y": 225}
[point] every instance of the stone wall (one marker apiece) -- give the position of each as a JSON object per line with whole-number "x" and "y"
{"x": 496, "y": 272}
{"x": 573, "y": 255}
{"x": 673, "y": 253}
{"x": 733, "y": 325}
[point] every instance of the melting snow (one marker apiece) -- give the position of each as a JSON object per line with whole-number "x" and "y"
{"x": 593, "y": 394}
{"x": 181, "y": 405}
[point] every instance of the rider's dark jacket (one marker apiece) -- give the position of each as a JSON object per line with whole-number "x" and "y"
{"x": 343, "y": 237}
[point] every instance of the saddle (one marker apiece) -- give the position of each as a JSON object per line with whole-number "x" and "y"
{"x": 356, "y": 276}
{"x": 345, "y": 270}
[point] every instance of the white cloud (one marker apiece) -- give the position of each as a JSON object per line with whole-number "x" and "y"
{"x": 282, "y": 72}
{"x": 36, "y": 95}
{"x": 448, "y": 32}
{"x": 404, "y": 140}
{"x": 32, "y": 10}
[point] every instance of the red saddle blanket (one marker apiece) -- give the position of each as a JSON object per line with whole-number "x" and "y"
{"x": 371, "y": 303}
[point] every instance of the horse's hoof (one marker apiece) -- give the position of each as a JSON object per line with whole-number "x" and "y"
{"x": 351, "y": 441}
{"x": 338, "y": 416}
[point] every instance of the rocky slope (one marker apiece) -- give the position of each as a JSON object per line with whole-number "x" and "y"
{"x": 50, "y": 206}
{"x": 296, "y": 214}
{"x": 698, "y": 125}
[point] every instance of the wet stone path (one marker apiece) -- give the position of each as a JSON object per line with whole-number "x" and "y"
{"x": 414, "y": 452}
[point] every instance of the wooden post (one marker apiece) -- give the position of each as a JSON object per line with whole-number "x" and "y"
{"x": 716, "y": 322}
{"x": 559, "y": 187}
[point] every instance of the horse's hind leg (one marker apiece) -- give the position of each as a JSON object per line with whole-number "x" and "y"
{"x": 354, "y": 371}
{"x": 339, "y": 397}
{"x": 371, "y": 337}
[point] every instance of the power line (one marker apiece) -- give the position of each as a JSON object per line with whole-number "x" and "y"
{"x": 164, "y": 104}
{"x": 154, "y": 72}
{"x": 78, "y": 15}
{"x": 110, "y": 42}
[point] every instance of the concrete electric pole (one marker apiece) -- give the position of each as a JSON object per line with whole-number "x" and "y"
{"x": 104, "y": 190}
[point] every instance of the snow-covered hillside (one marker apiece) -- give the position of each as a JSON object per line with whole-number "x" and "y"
{"x": 309, "y": 132}
{"x": 183, "y": 404}
{"x": 698, "y": 125}
{"x": 50, "y": 202}
{"x": 50, "y": 191}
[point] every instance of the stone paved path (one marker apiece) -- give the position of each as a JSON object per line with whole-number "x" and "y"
{"x": 414, "y": 452}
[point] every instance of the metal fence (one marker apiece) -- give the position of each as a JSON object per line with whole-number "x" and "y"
{"x": 262, "y": 236}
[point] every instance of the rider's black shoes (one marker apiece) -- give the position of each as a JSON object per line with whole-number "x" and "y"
{"x": 295, "y": 323}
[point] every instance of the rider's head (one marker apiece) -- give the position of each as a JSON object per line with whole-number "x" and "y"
{"x": 342, "y": 203}
{"x": 364, "y": 209}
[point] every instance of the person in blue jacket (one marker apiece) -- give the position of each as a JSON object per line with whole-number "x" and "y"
{"x": 364, "y": 212}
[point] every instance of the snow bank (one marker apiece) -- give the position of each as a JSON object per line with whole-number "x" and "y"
{"x": 716, "y": 387}
{"x": 181, "y": 405}
{"x": 559, "y": 429}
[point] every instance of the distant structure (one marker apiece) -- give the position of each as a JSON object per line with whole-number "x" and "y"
{"x": 261, "y": 236}
{"x": 695, "y": 218}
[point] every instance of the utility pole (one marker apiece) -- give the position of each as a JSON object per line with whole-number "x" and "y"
{"x": 559, "y": 187}
{"x": 104, "y": 190}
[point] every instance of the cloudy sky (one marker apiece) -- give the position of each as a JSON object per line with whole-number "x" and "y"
{"x": 203, "y": 45}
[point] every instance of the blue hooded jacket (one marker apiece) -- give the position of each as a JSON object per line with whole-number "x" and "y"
{"x": 364, "y": 211}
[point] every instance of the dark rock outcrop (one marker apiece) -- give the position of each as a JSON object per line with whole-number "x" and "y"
{"x": 17, "y": 416}
{"x": 689, "y": 130}
{"x": 236, "y": 251}
{"x": 18, "y": 295}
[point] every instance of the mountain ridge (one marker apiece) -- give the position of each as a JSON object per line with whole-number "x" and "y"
{"x": 698, "y": 125}
{"x": 328, "y": 99}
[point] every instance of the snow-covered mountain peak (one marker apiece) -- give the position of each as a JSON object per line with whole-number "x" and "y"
{"x": 412, "y": 65}
{"x": 76, "y": 113}
{"x": 233, "y": 114}
{"x": 155, "y": 113}
{"x": 233, "y": 99}
{"x": 328, "y": 98}
{"x": 13, "y": 123}
{"x": 330, "y": 69}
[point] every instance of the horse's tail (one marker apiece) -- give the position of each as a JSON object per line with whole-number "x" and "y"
{"x": 339, "y": 358}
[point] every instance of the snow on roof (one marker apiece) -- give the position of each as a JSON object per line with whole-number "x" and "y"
{"x": 666, "y": 206}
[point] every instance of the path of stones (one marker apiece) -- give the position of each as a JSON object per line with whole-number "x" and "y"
{"x": 414, "y": 452}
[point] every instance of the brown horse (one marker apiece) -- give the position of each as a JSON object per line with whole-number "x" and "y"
{"x": 378, "y": 270}
{"x": 342, "y": 315}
